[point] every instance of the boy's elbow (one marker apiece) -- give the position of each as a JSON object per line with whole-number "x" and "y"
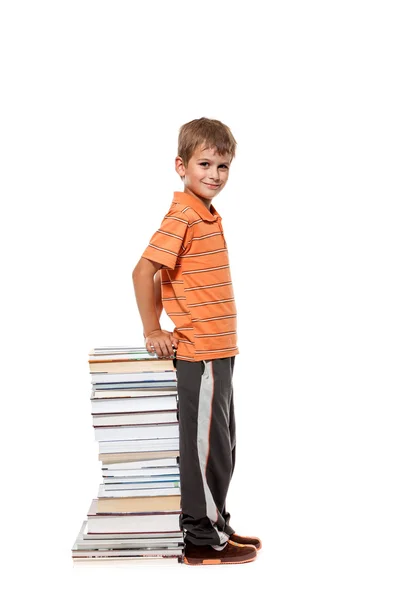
{"x": 137, "y": 275}
{"x": 137, "y": 270}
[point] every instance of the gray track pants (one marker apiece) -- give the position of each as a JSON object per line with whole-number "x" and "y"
{"x": 207, "y": 447}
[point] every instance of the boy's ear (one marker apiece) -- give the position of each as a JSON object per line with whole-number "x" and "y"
{"x": 179, "y": 166}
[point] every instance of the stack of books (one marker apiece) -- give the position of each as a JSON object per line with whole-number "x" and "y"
{"x": 136, "y": 515}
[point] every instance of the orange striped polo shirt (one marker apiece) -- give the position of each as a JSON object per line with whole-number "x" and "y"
{"x": 197, "y": 292}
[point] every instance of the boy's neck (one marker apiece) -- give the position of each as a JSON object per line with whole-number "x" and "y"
{"x": 207, "y": 203}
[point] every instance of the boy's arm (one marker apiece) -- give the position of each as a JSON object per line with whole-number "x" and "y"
{"x": 157, "y": 294}
{"x": 149, "y": 309}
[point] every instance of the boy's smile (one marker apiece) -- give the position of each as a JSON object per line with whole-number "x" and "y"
{"x": 205, "y": 174}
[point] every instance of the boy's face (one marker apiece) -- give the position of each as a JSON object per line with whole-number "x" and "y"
{"x": 205, "y": 174}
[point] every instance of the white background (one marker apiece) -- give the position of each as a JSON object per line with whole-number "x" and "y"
{"x": 93, "y": 95}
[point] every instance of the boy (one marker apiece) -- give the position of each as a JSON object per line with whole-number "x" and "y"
{"x": 185, "y": 269}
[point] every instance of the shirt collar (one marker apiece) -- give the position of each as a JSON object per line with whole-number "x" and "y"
{"x": 198, "y": 206}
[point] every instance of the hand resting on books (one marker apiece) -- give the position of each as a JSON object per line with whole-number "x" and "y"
{"x": 161, "y": 342}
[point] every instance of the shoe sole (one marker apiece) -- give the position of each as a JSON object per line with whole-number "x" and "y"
{"x": 195, "y": 562}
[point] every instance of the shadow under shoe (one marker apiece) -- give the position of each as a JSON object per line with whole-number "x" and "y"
{"x": 232, "y": 554}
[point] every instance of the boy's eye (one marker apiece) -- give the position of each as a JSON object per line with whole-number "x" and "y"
{"x": 205, "y": 164}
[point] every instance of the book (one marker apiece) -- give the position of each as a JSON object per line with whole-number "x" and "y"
{"x": 118, "y": 457}
{"x": 139, "y": 445}
{"x": 127, "y": 562}
{"x": 135, "y": 480}
{"x": 145, "y": 377}
{"x": 139, "y": 404}
{"x": 117, "y": 349}
{"x": 136, "y": 385}
{"x": 141, "y": 464}
{"x": 147, "y": 472}
{"x": 131, "y": 366}
{"x": 133, "y": 418}
{"x": 133, "y": 484}
{"x": 137, "y": 490}
{"x": 119, "y": 356}
{"x": 123, "y": 562}
{"x": 137, "y": 432}
{"x": 141, "y": 485}
{"x": 133, "y": 393}
{"x": 141, "y": 554}
{"x": 144, "y": 504}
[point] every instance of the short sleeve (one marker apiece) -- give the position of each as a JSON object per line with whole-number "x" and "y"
{"x": 169, "y": 240}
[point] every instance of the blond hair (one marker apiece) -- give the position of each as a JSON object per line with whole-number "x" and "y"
{"x": 208, "y": 132}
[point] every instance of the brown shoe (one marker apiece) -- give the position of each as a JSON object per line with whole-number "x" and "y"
{"x": 254, "y": 541}
{"x": 232, "y": 554}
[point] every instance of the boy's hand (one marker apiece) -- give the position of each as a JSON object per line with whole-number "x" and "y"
{"x": 161, "y": 342}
